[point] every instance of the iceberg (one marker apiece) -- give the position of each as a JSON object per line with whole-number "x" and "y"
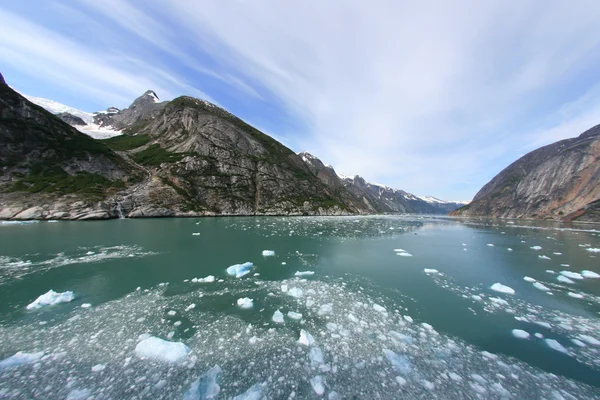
{"x": 306, "y": 338}
{"x": 401, "y": 363}
{"x": 592, "y": 250}
{"x": 208, "y": 279}
{"x": 430, "y": 271}
{"x": 536, "y": 247}
{"x": 268, "y": 253}
{"x": 572, "y": 275}
{"x": 294, "y": 315}
{"x": 278, "y": 317}
{"x": 590, "y": 340}
{"x": 50, "y": 298}
{"x": 316, "y": 356}
{"x": 589, "y": 274}
{"x": 528, "y": 279}
{"x": 575, "y": 295}
{"x": 379, "y": 308}
{"x": 564, "y": 279}
{"x": 318, "y": 385}
{"x": 205, "y": 387}
{"x": 541, "y": 287}
{"x": 304, "y": 273}
{"x": 20, "y": 358}
{"x": 498, "y": 287}
{"x": 161, "y": 350}
{"x": 254, "y": 393}
{"x": 554, "y": 345}
{"x": 245, "y": 302}
{"x": 295, "y": 292}
{"x": 520, "y": 334}
{"x": 239, "y": 270}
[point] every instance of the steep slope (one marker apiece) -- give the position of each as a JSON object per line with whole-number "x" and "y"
{"x": 443, "y": 206}
{"x": 42, "y": 159}
{"x": 558, "y": 181}
{"x": 143, "y": 108}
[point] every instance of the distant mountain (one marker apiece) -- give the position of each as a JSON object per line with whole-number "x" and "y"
{"x": 58, "y": 108}
{"x": 559, "y": 181}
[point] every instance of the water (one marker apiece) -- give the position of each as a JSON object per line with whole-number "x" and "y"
{"x": 382, "y": 326}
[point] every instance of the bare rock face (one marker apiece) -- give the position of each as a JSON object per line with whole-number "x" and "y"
{"x": 143, "y": 108}
{"x": 71, "y": 119}
{"x": 560, "y": 181}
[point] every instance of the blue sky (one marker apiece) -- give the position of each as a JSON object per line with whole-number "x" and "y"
{"x": 432, "y": 97}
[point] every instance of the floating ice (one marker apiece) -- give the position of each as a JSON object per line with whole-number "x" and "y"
{"x": 404, "y": 254}
{"x": 20, "y": 358}
{"x": 550, "y": 271}
{"x": 520, "y": 334}
{"x": 304, "y": 273}
{"x": 208, "y": 279}
{"x": 294, "y": 315}
{"x": 554, "y": 345}
{"x": 205, "y": 387}
{"x": 564, "y": 279}
{"x": 379, "y": 308}
{"x": 575, "y": 295}
{"x": 498, "y": 287}
{"x": 541, "y": 287}
{"x": 50, "y": 298}
{"x": 572, "y": 275}
{"x": 239, "y": 270}
{"x": 172, "y": 313}
{"x": 590, "y": 274}
{"x": 295, "y": 292}
{"x": 196, "y": 234}
{"x": 306, "y": 338}
{"x": 536, "y": 247}
{"x": 318, "y": 385}
{"x": 190, "y": 307}
{"x": 254, "y": 393}
{"x": 543, "y": 257}
{"x": 245, "y": 302}
{"x": 592, "y": 250}
{"x": 278, "y": 317}
{"x": 98, "y": 368}
{"x": 86, "y": 305}
{"x": 162, "y": 350}
{"x": 430, "y": 271}
{"x": 316, "y": 356}
{"x": 490, "y": 245}
{"x": 509, "y": 249}
{"x": 268, "y": 253}
{"x": 79, "y": 394}
{"x": 499, "y": 301}
{"x": 325, "y": 309}
{"x": 590, "y": 340}
{"x": 401, "y": 363}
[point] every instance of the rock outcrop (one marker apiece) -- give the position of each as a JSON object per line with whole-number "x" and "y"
{"x": 560, "y": 181}
{"x": 71, "y": 119}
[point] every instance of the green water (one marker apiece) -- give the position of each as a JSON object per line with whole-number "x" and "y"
{"x": 133, "y": 272}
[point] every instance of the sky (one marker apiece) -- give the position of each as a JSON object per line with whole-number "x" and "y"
{"x": 432, "y": 97}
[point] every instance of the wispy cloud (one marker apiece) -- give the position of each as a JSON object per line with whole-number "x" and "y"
{"x": 432, "y": 97}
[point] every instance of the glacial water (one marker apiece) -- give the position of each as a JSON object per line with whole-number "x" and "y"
{"x": 382, "y": 307}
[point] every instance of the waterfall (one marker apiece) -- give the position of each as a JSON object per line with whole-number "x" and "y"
{"x": 120, "y": 210}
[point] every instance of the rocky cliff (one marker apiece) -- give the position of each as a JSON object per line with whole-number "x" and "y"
{"x": 560, "y": 181}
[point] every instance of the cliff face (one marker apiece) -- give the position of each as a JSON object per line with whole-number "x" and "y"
{"x": 559, "y": 181}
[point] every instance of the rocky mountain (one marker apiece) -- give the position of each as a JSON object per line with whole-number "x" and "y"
{"x": 560, "y": 181}
{"x": 143, "y": 108}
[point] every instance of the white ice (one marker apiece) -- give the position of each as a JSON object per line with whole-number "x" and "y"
{"x": 498, "y": 287}
{"x": 295, "y": 292}
{"x": 162, "y": 350}
{"x": 306, "y": 338}
{"x": 239, "y": 270}
{"x": 50, "y": 298}
{"x": 590, "y": 340}
{"x": 379, "y": 308}
{"x": 205, "y": 387}
{"x": 316, "y": 356}
{"x": 564, "y": 279}
{"x": 528, "y": 279}
{"x": 268, "y": 253}
{"x": 499, "y": 301}
{"x": 318, "y": 385}
{"x": 536, "y": 247}
{"x": 520, "y": 334}
{"x": 254, "y": 393}
{"x": 571, "y": 274}
{"x": 86, "y": 305}
{"x": 304, "y": 273}
{"x": 208, "y": 279}
{"x": 593, "y": 250}
{"x": 245, "y": 302}
{"x": 590, "y": 274}
{"x": 490, "y": 245}
{"x": 575, "y": 295}
{"x": 278, "y": 317}
{"x": 401, "y": 363}
{"x": 98, "y": 368}
{"x": 20, "y": 358}
{"x": 544, "y": 257}
{"x": 294, "y": 315}
{"x": 430, "y": 271}
{"x": 541, "y": 287}
{"x": 554, "y": 345}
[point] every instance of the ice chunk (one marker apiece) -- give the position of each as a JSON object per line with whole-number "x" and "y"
{"x": 239, "y": 270}
{"x": 304, "y": 273}
{"x": 528, "y": 279}
{"x": 590, "y": 340}
{"x": 268, "y": 253}
{"x": 295, "y": 292}
{"x": 278, "y": 317}
{"x": 208, "y": 279}
{"x": 379, "y": 308}
{"x": 536, "y": 247}
{"x": 172, "y": 313}
{"x": 404, "y": 254}
{"x": 205, "y": 387}
{"x": 325, "y": 309}
{"x": 86, "y": 305}
{"x": 316, "y": 356}
{"x": 430, "y": 271}
{"x": 20, "y": 358}
{"x": 543, "y": 257}
{"x": 284, "y": 288}
{"x": 564, "y": 279}
{"x": 401, "y": 363}
{"x": 498, "y": 287}
{"x": 318, "y": 385}
{"x": 578, "y": 342}
{"x": 79, "y": 394}
{"x": 245, "y": 302}
{"x": 162, "y": 350}
{"x": 540, "y": 286}
{"x": 401, "y": 381}
{"x": 333, "y": 395}
{"x": 306, "y": 338}
{"x": 499, "y": 301}
{"x": 575, "y": 295}
{"x": 554, "y": 345}
{"x": 254, "y": 393}
{"x": 98, "y": 368}
{"x": 294, "y": 315}
{"x": 490, "y": 245}
{"x": 51, "y": 298}
{"x": 572, "y": 275}
{"x": 520, "y": 334}
{"x": 593, "y": 250}
{"x": 590, "y": 274}
{"x": 190, "y": 307}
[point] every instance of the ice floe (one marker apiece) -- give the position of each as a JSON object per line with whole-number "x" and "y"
{"x": 572, "y": 275}
{"x": 206, "y": 386}
{"x": 575, "y": 295}
{"x": 498, "y": 287}
{"x": 528, "y": 279}
{"x": 430, "y": 271}
{"x": 304, "y": 273}
{"x": 268, "y": 253}
{"x": 520, "y": 334}
{"x": 306, "y": 338}
{"x": 239, "y": 270}
{"x": 536, "y": 247}
{"x": 400, "y": 362}
{"x": 21, "y": 358}
{"x": 255, "y": 392}
{"x": 590, "y": 274}
{"x": 564, "y": 279}
{"x": 593, "y": 250}
{"x": 245, "y": 302}
{"x": 50, "y": 298}
{"x": 555, "y": 345}
{"x": 278, "y": 317}
{"x": 543, "y": 257}
{"x": 162, "y": 350}
{"x": 208, "y": 279}
{"x": 541, "y": 286}
{"x": 318, "y": 385}
{"x": 294, "y": 315}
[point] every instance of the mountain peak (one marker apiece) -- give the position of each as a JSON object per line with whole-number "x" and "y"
{"x": 2, "y": 82}
{"x": 149, "y": 97}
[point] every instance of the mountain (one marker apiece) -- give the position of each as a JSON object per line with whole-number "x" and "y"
{"x": 444, "y": 206}
{"x": 560, "y": 181}
{"x": 185, "y": 157}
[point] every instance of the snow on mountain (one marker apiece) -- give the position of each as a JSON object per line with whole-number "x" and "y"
{"x": 91, "y": 129}
{"x": 56, "y": 108}
{"x": 435, "y": 200}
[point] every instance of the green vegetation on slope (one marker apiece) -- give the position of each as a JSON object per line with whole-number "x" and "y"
{"x": 155, "y": 155}
{"x": 126, "y": 142}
